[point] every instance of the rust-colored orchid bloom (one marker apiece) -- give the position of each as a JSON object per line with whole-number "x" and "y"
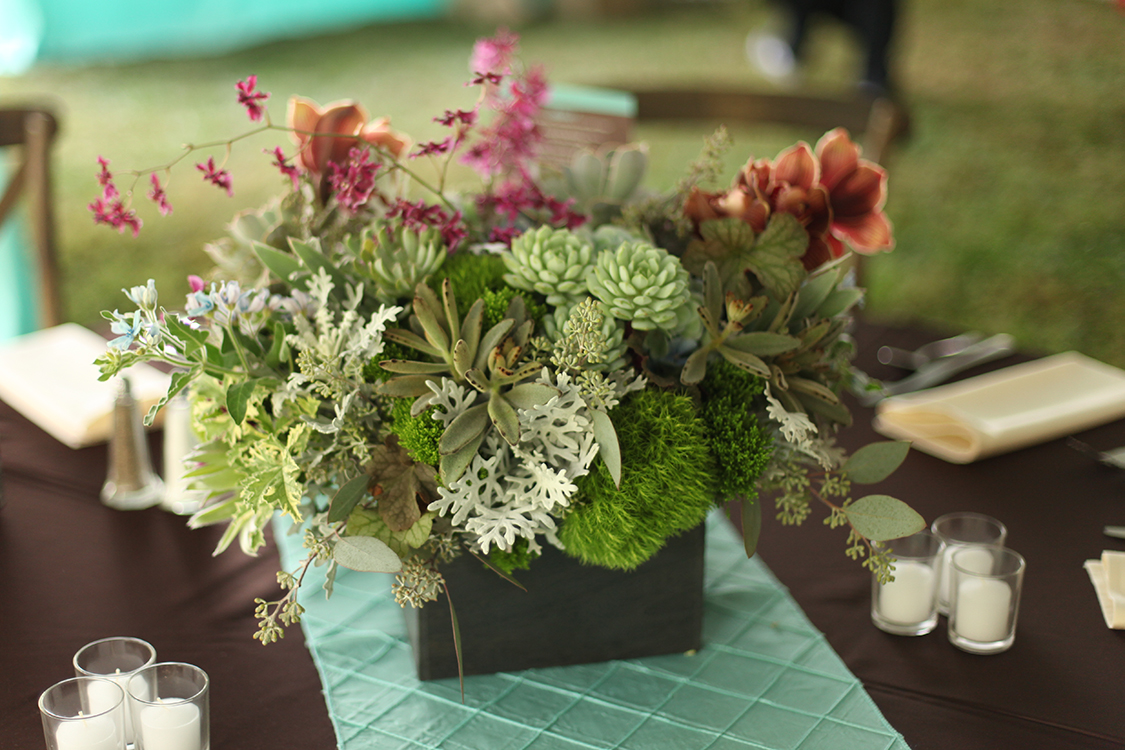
{"x": 345, "y": 121}
{"x": 857, "y": 190}
{"x": 836, "y": 196}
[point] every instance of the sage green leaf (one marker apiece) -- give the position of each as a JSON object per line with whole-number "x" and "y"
{"x": 695, "y": 368}
{"x": 585, "y": 175}
{"x": 456, "y": 641}
{"x": 212, "y": 514}
{"x": 427, "y": 316}
{"x": 762, "y": 343}
{"x": 776, "y": 257}
{"x": 365, "y": 554}
{"x": 408, "y": 367}
{"x": 452, "y": 466}
{"x": 407, "y": 386}
{"x": 882, "y": 517}
{"x": 347, "y": 497}
{"x": 311, "y": 255}
{"x": 504, "y": 417}
{"x": 813, "y": 293}
{"x": 279, "y": 350}
{"x": 464, "y": 429}
{"x": 812, "y": 388}
{"x": 462, "y": 357}
{"x": 281, "y": 264}
{"x": 813, "y": 335}
{"x": 839, "y": 302}
{"x": 751, "y": 524}
{"x": 430, "y": 299}
{"x": 876, "y": 461}
{"x": 529, "y": 395}
{"x": 193, "y": 339}
{"x": 626, "y": 170}
{"x": 413, "y": 340}
{"x": 491, "y": 340}
{"x": 238, "y": 394}
{"x": 712, "y": 292}
{"x": 746, "y": 361}
{"x": 470, "y": 328}
{"x": 492, "y": 566}
{"x": 838, "y": 413}
{"x": 449, "y": 307}
{"x": 608, "y": 446}
{"x": 782, "y": 313}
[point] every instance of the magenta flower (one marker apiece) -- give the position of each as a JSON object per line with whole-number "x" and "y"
{"x": 288, "y": 170}
{"x": 105, "y": 179}
{"x": 158, "y": 196}
{"x": 494, "y": 55}
{"x": 196, "y": 283}
{"x": 250, "y": 98}
{"x": 354, "y": 182}
{"x": 217, "y": 177}
{"x": 110, "y": 210}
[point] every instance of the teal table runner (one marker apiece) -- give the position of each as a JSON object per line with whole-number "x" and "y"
{"x": 766, "y": 678}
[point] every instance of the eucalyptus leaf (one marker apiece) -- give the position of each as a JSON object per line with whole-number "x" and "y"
{"x": 365, "y": 554}
{"x": 608, "y": 446}
{"x": 876, "y": 461}
{"x": 347, "y": 497}
{"x": 882, "y": 517}
{"x": 751, "y": 524}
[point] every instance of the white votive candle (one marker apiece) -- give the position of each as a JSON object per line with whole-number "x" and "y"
{"x": 94, "y": 733}
{"x": 981, "y": 610}
{"x": 909, "y": 598}
{"x": 973, "y": 559}
{"x": 170, "y": 726}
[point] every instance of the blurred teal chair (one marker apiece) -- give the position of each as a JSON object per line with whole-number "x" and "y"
{"x": 29, "y": 276}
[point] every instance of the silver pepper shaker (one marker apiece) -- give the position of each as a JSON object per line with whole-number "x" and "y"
{"x": 130, "y": 484}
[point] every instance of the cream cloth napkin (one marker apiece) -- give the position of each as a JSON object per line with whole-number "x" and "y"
{"x": 1108, "y": 577}
{"x": 1007, "y": 409}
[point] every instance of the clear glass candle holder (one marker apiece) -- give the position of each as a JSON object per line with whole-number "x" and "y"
{"x": 170, "y": 707}
{"x": 117, "y": 659}
{"x": 986, "y": 600}
{"x": 958, "y": 531}
{"x": 907, "y": 605}
{"x": 83, "y": 713}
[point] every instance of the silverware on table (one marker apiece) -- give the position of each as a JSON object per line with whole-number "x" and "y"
{"x": 1114, "y": 458}
{"x": 912, "y": 360}
{"x": 1117, "y": 532}
{"x": 938, "y": 371}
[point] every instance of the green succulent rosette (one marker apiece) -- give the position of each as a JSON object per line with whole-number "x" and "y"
{"x": 401, "y": 258}
{"x": 552, "y": 262}
{"x": 642, "y": 284}
{"x": 558, "y": 325}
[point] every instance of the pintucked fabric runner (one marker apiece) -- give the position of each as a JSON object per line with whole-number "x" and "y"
{"x": 766, "y": 678}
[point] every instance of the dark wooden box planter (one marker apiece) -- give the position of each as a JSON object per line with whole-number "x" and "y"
{"x": 570, "y": 614}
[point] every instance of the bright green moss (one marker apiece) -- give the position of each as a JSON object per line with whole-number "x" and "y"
{"x": 470, "y": 276}
{"x": 373, "y": 373}
{"x": 418, "y": 435}
{"x": 496, "y": 303}
{"x": 518, "y": 558}
{"x": 724, "y": 380}
{"x": 742, "y": 448}
{"x": 667, "y": 484}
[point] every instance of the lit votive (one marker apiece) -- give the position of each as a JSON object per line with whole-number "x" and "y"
{"x": 170, "y": 726}
{"x": 94, "y": 733}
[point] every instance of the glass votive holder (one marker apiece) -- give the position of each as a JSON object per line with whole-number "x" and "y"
{"x": 907, "y": 605}
{"x": 961, "y": 530}
{"x": 83, "y": 713}
{"x": 117, "y": 659}
{"x": 986, "y": 600}
{"x": 170, "y": 705}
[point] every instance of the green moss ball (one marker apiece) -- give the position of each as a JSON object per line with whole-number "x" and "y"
{"x": 667, "y": 484}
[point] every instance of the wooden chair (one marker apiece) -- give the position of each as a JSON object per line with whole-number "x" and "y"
{"x": 881, "y": 121}
{"x": 33, "y": 130}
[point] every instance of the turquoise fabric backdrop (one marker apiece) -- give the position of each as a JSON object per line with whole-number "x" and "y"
{"x": 137, "y": 29}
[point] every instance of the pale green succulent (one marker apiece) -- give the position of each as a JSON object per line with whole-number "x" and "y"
{"x": 565, "y": 329}
{"x": 642, "y": 284}
{"x": 602, "y": 181}
{"x": 553, "y": 262}
{"x": 399, "y": 258}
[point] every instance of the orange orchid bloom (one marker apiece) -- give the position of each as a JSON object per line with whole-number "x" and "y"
{"x": 345, "y": 121}
{"x": 857, "y": 190}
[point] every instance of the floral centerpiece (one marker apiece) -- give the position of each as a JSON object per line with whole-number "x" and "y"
{"x": 412, "y": 372}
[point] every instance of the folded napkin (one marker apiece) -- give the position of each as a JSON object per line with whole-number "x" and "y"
{"x": 1007, "y": 409}
{"x": 1108, "y": 577}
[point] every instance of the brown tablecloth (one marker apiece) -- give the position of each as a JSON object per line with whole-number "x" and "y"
{"x": 74, "y": 571}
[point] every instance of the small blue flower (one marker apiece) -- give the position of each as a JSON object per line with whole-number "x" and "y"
{"x": 129, "y": 329}
{"x": 199, "y": 304}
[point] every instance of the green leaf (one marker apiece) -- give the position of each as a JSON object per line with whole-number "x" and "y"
{"x": 839, "y": 301}
{"x": 365, "y": 554}
{"x": 882, "y": 517}
{"x": 281, "y": 264}
{"x": 875, "y": 462}
{"x": 279, "y": 350}
{"x": 776, "y": 257}
{"x": 456, "y": 640}
{"x": 626, "y": 169}
{"x": 712, "y": 292}
{"x": 762, "y": 343}
{"x": 504, "y": 417}
{"x": 492, "y": 566}
{"x": 734, "y": 235}
{"x": 407, "y": 386}
{"x": 313, "y": 258}
{"x": 238, "y": 394}
{"x": 413, "y": 340}
{"x": 346, "y": 498}
{"x": 529, "y": 395}
{"x": 695, "y": 367}
{"x": 213, "y": 514}
{"x": 812, "y": 388}
{"x": 464, "y": 429}
{"x": 179, "y": 381}
{"x": 408, "y": 367}
{"x": 751, "y": 524}
{"x": 452, "y": 466}
{"x": 368, "y": 522}
{"x": 813, "y": 293}
{"x": 746, "y": 361}
{"x": 428, "y": 317}
{"x": 608, "y": 446}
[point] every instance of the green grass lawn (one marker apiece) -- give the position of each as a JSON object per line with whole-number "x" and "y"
{"x": 1008, "y": 199}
